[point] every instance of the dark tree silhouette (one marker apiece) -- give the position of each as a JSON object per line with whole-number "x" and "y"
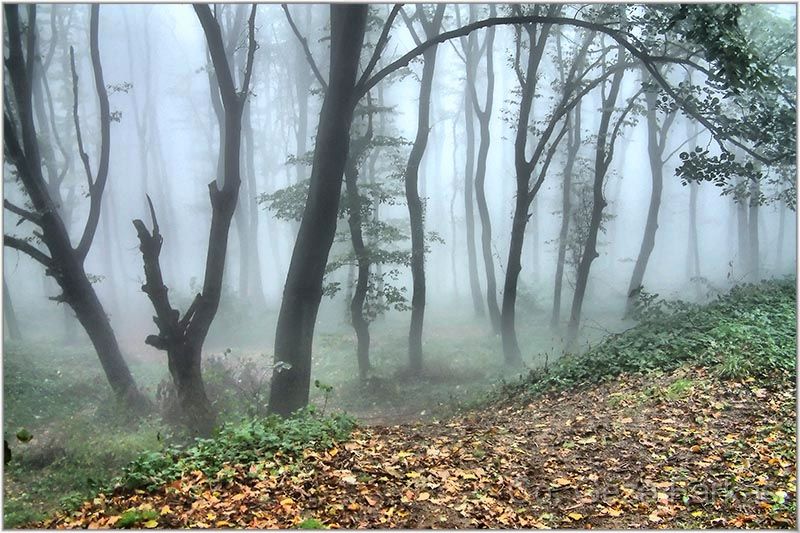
{"x": 62, "y": 261}
{"x": 303, "y": 289}
{"x": 656, "y": 145}
{"x": 416, "y": 208}
{"x": 183, "y": 337}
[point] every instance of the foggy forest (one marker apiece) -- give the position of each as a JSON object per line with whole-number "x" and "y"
{"x": 399, "y": 265}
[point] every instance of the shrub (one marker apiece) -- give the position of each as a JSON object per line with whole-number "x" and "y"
{"x": 751, "y": 331}
{"x": 246, "y": 442}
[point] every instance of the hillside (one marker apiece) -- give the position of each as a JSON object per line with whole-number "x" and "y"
{"x": 685, "y": 421}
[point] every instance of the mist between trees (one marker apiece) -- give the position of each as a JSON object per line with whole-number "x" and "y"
{"x": 297, "y": 169}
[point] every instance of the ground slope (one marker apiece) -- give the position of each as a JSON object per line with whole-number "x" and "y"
{"x": 683, "y": 449}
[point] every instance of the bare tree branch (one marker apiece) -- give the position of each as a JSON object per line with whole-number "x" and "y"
{"x": 618, "y": 126}
{"x": 383, "y": 40}
{"x": 27, "y": 248}
{"x": 621, "y": 38}
{"x": 304, "y": 44}
{"x": 24, "y": 214}
{"x": 410, "y": 26}
{"x": 96, "y": 189}
{"x": 84, "y": 156}
{"x": 218, "y": 59}
{"x": 251, "y": 52}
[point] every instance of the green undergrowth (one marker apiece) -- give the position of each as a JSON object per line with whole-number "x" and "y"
{"x": 242, "y": 443}
{"x": 748, "y": 332}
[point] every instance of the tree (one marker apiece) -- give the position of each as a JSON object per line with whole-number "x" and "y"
{"x": 573, "y": 146}
{"x": 604, "y": 153}
{"x": 484, "y": 117}
{"x": 656, "y": 145}
{"x": 62, "y": 261}
{"x": 183, "y": 337}
{"x": 416, "y": 209}
{"x": 303, "y": 288}
{"x": 471, "y": 57}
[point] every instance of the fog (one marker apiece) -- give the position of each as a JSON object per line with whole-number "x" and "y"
{"x": 165, "y": 142}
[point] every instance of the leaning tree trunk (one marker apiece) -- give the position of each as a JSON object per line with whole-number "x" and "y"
{"x": 573, "y": 145}
{"x": 655, "y": 149}
{"x": 10, "y": 315}
{"x": 65, "y": 262}
{"x": 511, "y": 351}
{"x": 303, "y": 290}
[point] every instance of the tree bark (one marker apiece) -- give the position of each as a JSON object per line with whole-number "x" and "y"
{"x": 256, "y": 283}
{"x": 360, "y": 323}
{"x": 470, "y": 44}
{"x": 512, "y": 354}
{"x": 781, "y": 232}
{"x": 752, "y": 227}
{"x": 303, "y": 290}
{"x": 693, "y": 259}
{"x": 743, "y": 235}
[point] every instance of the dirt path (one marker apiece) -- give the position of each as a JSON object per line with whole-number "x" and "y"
{"x": 676, "y": 451}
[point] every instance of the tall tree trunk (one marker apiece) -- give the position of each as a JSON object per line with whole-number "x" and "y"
{"x": 245, "y": 243}
{"x": 601, "y": 164}
{"x": 752, "y": 237}
{"x": 484, "y": 118}
{"x": 453, "y": 233}
{"x": 743, "y": 238}
{"x": 256, "y": 283}
{"x": 303, "y": 290}
{"x": 511, "y": 351}
{"x": 693, "y": 255}
{"x": 416, "y": 213}
{"x": 9, "y": 314}
{"x": 183, "y": 338}
{"x": 656, "y": 141}
{"x": 360, "y": 323}
{"x": 573, "y": 145}
{"x": 512, "y": 354}
{"x": 534, "y": 241}
{"x": 781, "y": 232}
{"x": 469, "y": 177}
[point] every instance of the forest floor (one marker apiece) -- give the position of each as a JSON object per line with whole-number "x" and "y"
{"x": 680, "y": 449}
{"x": 685, "y": 420}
